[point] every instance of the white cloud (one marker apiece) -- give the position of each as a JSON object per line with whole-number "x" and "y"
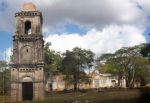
{"x": 111, "y": 24}
{"x": 8, "y": 54}
{"x": 87, "y": 13}
{"x": 107, "y": 40}
{"x": 5, "y": 55}
{"x": 144, "y": 4}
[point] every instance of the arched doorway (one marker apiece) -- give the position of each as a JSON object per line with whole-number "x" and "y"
{"x": 27, "y": 89}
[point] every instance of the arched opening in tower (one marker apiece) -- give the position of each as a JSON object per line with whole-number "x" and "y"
{"x": 28, "y": 28}
{"x": 27, "y": 90}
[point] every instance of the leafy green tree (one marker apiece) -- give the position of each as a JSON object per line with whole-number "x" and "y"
{"x": 145, "y": 51}
{"x": 127, "y": 63}
{"x": 142, "y": 71}
{"x": 75, "y": 63}
{"x": 4, "y": 77}
{"x": 52, "y": 61}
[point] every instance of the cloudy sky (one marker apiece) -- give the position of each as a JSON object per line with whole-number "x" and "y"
{"x": 102, "y": 26}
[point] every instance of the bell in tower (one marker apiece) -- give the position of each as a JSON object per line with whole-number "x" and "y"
{"x": 27, "y": 76}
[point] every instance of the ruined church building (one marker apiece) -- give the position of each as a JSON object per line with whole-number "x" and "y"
{"x": 27, "y": 76}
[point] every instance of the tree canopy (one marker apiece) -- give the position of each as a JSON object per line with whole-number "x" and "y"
{"x": 75, "y": 63}
{"x": 4, "y": 77}
{"x": 127, "y": 63}
{"x": 52, "y": 61}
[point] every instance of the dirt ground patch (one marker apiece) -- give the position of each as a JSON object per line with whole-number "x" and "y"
{"x": 96, "y": 96}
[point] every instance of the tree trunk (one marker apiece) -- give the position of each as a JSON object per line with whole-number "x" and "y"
{"x": 75, "y": 82}
{"x": 119, "y": 79}
{"x": 127, "y": 81}
{"x": 132, "y": 80}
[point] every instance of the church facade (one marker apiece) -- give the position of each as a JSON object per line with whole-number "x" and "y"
{"x": 27, "y": 75}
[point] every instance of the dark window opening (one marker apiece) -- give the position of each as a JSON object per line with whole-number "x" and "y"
{"x": 113, "y": 80}
{"x": 27, "y": 50}
{"x": 27, "y": 90}
{"x": 51, "y": 86}
{"x": 28, "y": 29}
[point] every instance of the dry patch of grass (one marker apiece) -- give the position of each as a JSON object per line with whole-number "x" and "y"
{"x": 93, "y": 96}
{"x": 108, "y": 96}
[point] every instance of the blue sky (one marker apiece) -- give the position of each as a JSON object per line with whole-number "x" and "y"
{"x": 147, "y": 30}
{"x": 5, "y": 40}
{"x": 3, "y": 6}
{"x": 99, "y": 25}
{"x": 73, "y": 28}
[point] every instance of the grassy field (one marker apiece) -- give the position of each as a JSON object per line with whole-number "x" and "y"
{"x": 91, "y": 96}
{"x": 119, "y": 96}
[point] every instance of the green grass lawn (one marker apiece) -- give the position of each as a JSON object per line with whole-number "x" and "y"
{"x": 93, "y": 96}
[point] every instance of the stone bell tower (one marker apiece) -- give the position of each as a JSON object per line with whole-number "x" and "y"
{"x": 27, "y": 76}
